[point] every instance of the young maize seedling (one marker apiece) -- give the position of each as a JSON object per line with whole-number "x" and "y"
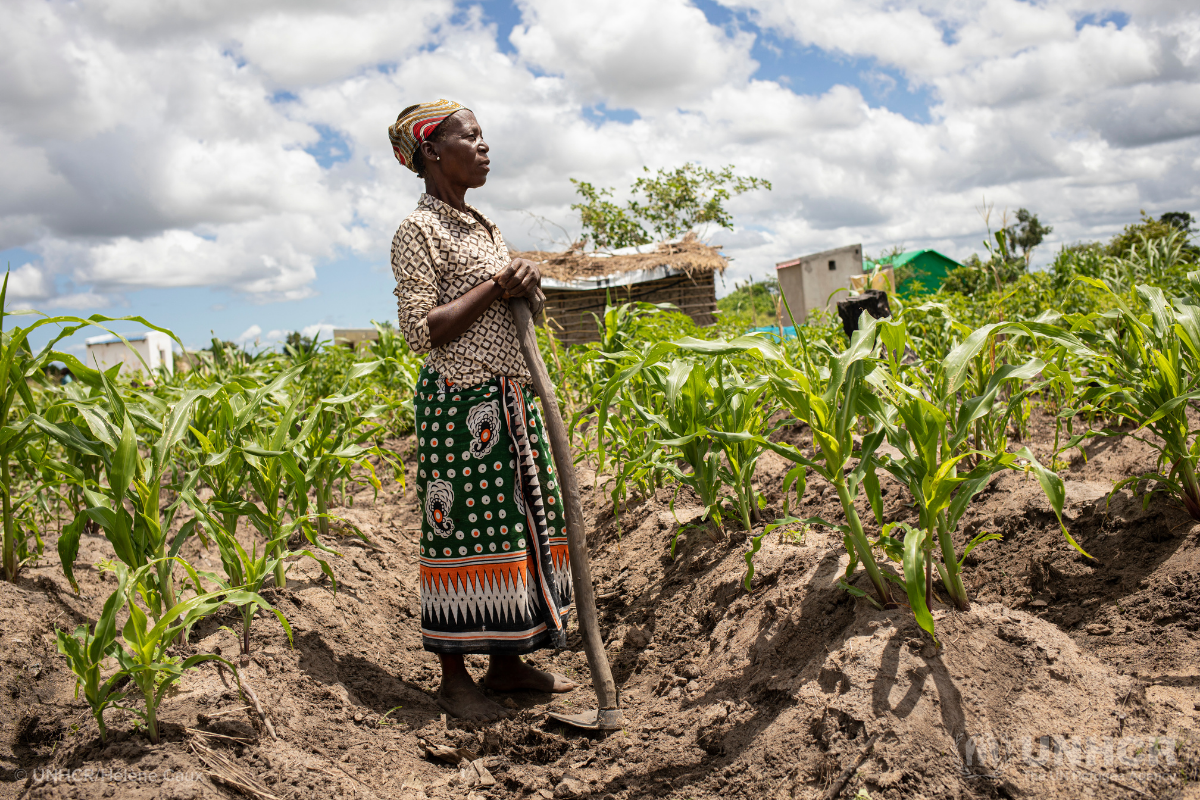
{"x": 142, "y": 649}
{"x": 86, "y": 651}
{"x": 249, "y": 571}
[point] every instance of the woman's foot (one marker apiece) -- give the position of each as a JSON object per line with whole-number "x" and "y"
{"x": 460, "y": 697}
{"x": 511, "y": 674}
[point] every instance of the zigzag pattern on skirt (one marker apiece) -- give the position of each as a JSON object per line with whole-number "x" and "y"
{"x": 556, "y": 592}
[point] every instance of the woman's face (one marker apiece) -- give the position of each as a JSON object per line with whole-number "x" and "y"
{"x": 463, "y": 152}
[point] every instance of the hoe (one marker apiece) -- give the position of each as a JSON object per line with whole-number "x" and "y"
{"x": 608, "y": 716}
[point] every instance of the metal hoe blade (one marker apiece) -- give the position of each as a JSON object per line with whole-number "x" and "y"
{"x": 606, "y": 719}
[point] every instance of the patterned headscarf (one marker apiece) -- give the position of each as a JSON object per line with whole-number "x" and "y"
{"x": 415, "y": 127}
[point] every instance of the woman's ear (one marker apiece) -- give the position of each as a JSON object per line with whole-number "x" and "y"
{"x": 429, "y": 153}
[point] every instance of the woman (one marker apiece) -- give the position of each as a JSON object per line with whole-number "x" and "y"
{"x": 495, "y": 576}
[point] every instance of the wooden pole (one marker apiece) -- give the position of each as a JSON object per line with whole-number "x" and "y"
{"x": 581, "y": 571}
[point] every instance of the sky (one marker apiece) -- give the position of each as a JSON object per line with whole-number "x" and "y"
{"x": 222, "y": 167}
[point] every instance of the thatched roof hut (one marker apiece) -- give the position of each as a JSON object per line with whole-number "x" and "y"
{"x": 578, "y": 284}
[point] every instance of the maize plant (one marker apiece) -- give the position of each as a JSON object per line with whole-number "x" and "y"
{"x": 19, "y": 368}
{"x": 228, "y": 422}
{"x": 247, "y": 572}
{"x": 831, "y": 400}
{"x": 928, "y": 444}
{"x": 88, "y": 648}
{"x": 1147, "y": 357}
{"x": 695, "y": 399}
{"x": 332, "y": 442}
{"x": 143, "y": 536}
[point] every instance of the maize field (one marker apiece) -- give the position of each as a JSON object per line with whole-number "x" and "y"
{"x": 954, "y": 554}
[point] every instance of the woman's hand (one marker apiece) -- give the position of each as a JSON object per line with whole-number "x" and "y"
{"x": 521, "y": 278}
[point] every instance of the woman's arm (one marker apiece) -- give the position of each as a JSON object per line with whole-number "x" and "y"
{"x": 521, "y": 278}
{"x": 448, "y": 322}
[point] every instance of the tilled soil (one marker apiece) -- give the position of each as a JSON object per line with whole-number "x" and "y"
{"x": 1069, "y": 677}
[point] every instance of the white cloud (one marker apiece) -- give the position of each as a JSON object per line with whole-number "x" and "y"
{"x": 629, "y": 53}
{"x": 144, "y": 144}
{"x": 249, "y": 335}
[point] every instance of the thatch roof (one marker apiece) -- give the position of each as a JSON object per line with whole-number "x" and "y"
{"x": 688, "y": 255}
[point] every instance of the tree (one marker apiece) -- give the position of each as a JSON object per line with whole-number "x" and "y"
{"x": 1026, "y": 234}
{"x": 605, "y": 223}
{"x": 670, "y": 203}
{"x": 299, "y": 344}
{"x": 1179, "y": 219}
{"x": 1149, "y": 229}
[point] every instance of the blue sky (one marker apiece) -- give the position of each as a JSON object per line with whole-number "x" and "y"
{"x": 236, "y": 179}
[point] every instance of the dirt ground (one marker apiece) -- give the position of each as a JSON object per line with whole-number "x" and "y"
{"x": 1068, "y": 678}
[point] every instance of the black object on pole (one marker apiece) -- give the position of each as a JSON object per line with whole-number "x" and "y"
{"x": 873, "y": 301}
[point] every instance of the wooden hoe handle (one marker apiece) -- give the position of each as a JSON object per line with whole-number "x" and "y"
{"x": 581, "y": 571}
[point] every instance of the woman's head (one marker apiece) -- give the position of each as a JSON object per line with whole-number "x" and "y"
{"x": 441, "y": 141}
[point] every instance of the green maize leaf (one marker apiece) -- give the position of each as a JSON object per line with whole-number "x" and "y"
{"x": 351, "y": 451}
{"x": 363, "y": 368}
{"x": 185, "y": 531}
{"x": 176, "y": 426}
{"x": 914, "y": 581}
{"x": 68, "y": 548}
{"x": 938, "y": 487}
{"x": 1054, "y": 490}
{"x": 981, "y": 405}
{"x": 341, "y": 399}
{"x": 978, "y": 540}
{"x": 856, "y": 592}
{"x": 871, "y": 484}
{"x": 82, "y": 372}
{"x": 124, "y": 466}
{"x": 1167, "y": 408}
{"x": 255, "y": 450}
{"x": 324, "y": 567}
{"x": 116, "y": 529}
{"x": 862, "y": 343}
{"x": 139, "y": 414}
{"x": 135, "y": 636}
{"x": 830, "y": 448}
{"x": 72, "y": 472}
{"x": 1187, "y": 327}
{"x": 784, "y": 522}
{"x": 1160, "y": 311}
{"x": 69, "y": 436}
{"x": 753, "y": 342}
{"x": 279, "y": 439}
{"x": 206, "y": 444}
{"x": 217, "y": 459}
{"x": 894, "y": 333}
{"x": 796, "y": 475}
{"x": 293, "y": 470}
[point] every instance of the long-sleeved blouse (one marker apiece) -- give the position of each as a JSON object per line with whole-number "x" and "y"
{"x": 438, "y": 254}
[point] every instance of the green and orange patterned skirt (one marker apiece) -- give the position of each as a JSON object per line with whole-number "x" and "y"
{"x": 495, "y": 574}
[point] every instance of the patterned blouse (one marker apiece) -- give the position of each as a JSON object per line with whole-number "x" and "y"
{"x": 438, "y": 255}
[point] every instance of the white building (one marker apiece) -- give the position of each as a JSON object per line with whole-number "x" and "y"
{"x": 813, "y": 282}
{"x": 153, "y": 347}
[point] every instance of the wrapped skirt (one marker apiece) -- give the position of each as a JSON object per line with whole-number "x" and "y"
{"x": 495, "y": 573}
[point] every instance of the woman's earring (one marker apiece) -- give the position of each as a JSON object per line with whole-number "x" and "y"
{"x": 439, "y": 158}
